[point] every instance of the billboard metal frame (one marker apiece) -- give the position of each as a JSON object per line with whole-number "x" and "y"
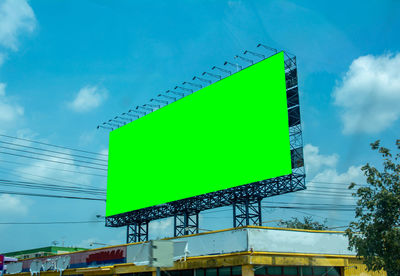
{"x": 245, "y": 199}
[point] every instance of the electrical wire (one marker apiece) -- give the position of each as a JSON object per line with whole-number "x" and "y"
{"x": 51, "y": 145}
{"x": 59, "y": 162}
{"x": 48, "y": 195}
{"x": 52, "y": 168}
{"x": 51, "y": 187}
{"x": 22, "y": 175}
{"x": 53, "y": 156}
{"x": 53, "y": 151}
{"x": 50, "y": 222}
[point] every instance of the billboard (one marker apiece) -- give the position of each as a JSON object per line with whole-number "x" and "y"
{"x": 230, "y": 133}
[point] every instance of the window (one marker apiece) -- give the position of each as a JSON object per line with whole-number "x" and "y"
{"x": 224, "y": 271}
{"x": 260, "y": 270}
{"x": 274, "y": 270}
{"x": 199, "y": 272}
{"x": 211, "y": 272}
{"x": 307, "y": 270}
{"x": 236, "y": 271}
{"x": 290, "y": 270}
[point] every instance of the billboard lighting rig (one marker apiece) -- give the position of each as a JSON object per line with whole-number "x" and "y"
{"x": 124, "y": 118}
{"x": 166, "y": 96}
{"x": 254, "y": 54}
{"x": 184, "y": 89}
{"x": 245, "y": 59}
{"x": 202, "y": 79}
{"x": 111, "y": 124}
{"x": 176, "y": 93}
{"x": 153, "y": 106}
{"x": 137, "y": 111}
{"x": 144, "y": 107}
{"x": 132, "y": 115}
{"x": 118, "y": 121}
{"x": 268, "y": 48}
{"x": 159, "y": 101}
{"x": 236, "y": 65}
{"x": 212, "y": 75}
{"x": 192, "y": 84}
{"x": 105, "y": 127}
{"x": 222, "y": 70}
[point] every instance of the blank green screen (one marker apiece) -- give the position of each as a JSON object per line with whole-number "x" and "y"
{"x": 230, "y": 133}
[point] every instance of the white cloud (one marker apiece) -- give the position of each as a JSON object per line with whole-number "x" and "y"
{"x": 12, "y": 205}
{"x": 16, "y": 17}
{"x": 369, "y": 94}
{"x": 9, "y": 111}
{"x": 314, "y": 160}
{"x": 161, "y": 228}
{"x": 88, "y": 98}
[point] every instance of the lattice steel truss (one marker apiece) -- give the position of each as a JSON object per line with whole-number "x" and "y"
{"x": 186, "y": 224}
{"x": 245, "y": 199}
{"x": 137, "y": 232}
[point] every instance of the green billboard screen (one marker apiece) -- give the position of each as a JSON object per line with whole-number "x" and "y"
{"x": 230, "y": 133}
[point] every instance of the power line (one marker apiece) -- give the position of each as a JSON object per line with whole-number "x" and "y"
{"x": 53, "y": 151}
{"x": 52, "y": 168}
{"x": 51, "y": 145}
{"x": 48, "y": 195}
{"x": 44, "y": 177}
{"x": 53, "y": 156}
{"x": 38, "y": 158}
{"x": 50, "y": 187}
{"x": 50, "y": 222}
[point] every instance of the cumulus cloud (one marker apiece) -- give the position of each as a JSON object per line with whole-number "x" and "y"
{"x": 322, "y": 167}
{"x": 161, "y": 228}
{"x": 88, "y": 98}
{"x": 314, "y": 160}
{"x": 12, "y": 205}
{"x": 16, "y": 17}
{"x": 369, "y": 94}
{"x": 9, "y": 111}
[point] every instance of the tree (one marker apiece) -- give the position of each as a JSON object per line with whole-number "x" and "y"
{"x": 375, "y": 235}
{"x": 307, "y": 223}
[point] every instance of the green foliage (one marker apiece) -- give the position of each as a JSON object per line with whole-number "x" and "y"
{"x": 375, "y": 234}
{"x": 307, "y": 223}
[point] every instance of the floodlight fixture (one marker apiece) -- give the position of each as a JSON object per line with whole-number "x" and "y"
{"x": 123, "y": 118}
{"x": 117, "y": 121}
{"x": 111, "y": 124}
{"x": 245, "y": 59}
{"x": 144, "y": 107}
{"x": 160, "y": 101}
{"x": 268, "y": 48}
{"x": 202, "y": 79}
{"x": 176, "y": 93}
{"x": 254, "y": 54}
{"x": 105, "y": 127}
{"x": 132, "y": 115}
{"x": 222, "y": 70}
{"x": 212, "y": 75}
{"x": 192, "y": 84}
{"x": 166, "y": 96}
{"x": 153, "y": 105}
{"x": 137, "y": 111}
{"x": 236, "y": 65}
{"x": 184, "y": 88}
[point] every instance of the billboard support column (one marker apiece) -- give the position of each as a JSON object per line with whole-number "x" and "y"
{"x": 186, "y": 224}
{"x": 137, "y": 232}
{"x": 247, "y": 212}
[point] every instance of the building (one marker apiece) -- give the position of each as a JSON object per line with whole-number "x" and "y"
{"x": 42, "y": 252}
{"x": 248, "y": 251}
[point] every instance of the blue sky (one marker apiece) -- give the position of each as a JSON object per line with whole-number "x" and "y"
{"x": 66, "y": 66}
